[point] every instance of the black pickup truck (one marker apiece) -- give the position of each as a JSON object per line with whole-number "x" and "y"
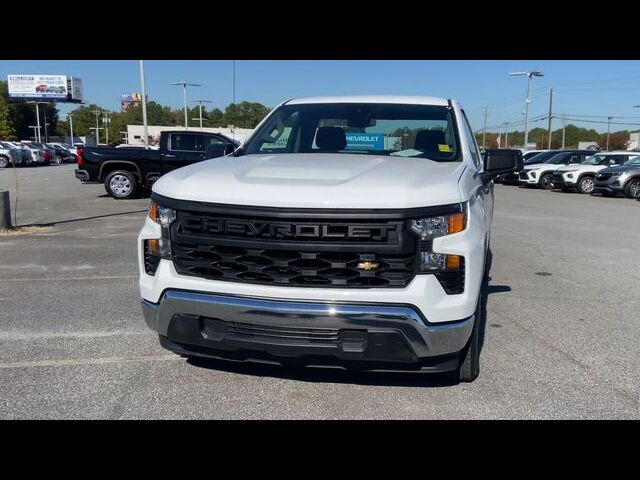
{"x": 124, "y": 171}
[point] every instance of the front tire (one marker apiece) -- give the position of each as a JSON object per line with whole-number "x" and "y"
{"x": 545, "y": 181}
{"x": 469, "y": 368}
{"x": 586, "y": 185}
{"x": 632, "y": 188}
{"x": 4, "y": 162}
{"x": 121, "y": 184}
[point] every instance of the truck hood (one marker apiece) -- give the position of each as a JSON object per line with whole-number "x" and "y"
{"x": 316, "y": 180}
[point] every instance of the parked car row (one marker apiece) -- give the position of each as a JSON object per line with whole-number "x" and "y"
{"x": 607, "y": 173}
{"x": 28, "y": 154}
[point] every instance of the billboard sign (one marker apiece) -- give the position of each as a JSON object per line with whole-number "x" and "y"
{"x": 75, "y": 89}
{"x": 128, "y": 99}
{"x": 38, "y": 87}
{"x": 48, "y": 88}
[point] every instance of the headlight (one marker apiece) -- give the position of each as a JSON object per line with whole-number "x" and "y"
{"x": 164, "y": 217}
{"x": 429, "y": 228}
{"x": 617, "y": 174}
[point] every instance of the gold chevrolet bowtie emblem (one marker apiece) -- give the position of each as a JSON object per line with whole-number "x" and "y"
{"x": 367, "y": 265}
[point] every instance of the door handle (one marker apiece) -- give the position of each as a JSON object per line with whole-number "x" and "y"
{"x": 169, "y": 155}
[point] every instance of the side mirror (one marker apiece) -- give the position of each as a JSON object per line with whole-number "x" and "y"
{"x": 498, "y": 161}
{"x": 229, "y": 149}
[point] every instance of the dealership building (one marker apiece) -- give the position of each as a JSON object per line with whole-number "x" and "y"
{"x": 135, "y": 133}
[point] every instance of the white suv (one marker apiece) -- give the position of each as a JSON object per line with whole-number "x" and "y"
{"x": 541, "y": 174}
{"x": 346, "y": 231}
{"x": 582, "y": 176}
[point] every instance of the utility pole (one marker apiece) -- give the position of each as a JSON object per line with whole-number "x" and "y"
{"x": 97, "y": 127}
{"x": 144, "y": 107}
{"x": 550, "y": 116}
{"x": 608, "y": 130}
{"x": 506, "y": 134}
{"x": 564, "y": 125}
{"x": 105, "y": 121}
{"x": 484, "y": 130}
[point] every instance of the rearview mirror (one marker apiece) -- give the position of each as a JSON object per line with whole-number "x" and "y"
{"x": 499, "y": 161}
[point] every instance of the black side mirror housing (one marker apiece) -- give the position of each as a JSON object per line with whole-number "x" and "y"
{"x": 498, "y": 161}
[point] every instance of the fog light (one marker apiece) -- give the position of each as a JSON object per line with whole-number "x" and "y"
{"x": 151, "y": 255}
{"x": 453, "y": 262}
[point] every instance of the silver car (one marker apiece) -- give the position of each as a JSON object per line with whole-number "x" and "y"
{"x": 621, "y": 179}
{"x": 9, "y": 155}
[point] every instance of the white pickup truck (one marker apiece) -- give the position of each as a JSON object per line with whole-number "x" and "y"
{"x": 346, "y": 231}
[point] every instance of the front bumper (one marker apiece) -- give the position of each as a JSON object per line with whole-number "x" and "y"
{"x": 312, "y": 333}
{"x": 527, "y": 178}
{"x": 613, "y": 185}
{"x": 560, "y": 180}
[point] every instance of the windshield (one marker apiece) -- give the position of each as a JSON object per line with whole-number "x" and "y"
{"x": 557, "y": 158}
{"x": 539, "y": 157}
{"x": 595, "y": 160}
{"x": 425, "y": 131}
{"x": 633, "y": 161}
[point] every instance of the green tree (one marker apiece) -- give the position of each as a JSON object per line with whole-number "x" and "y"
{"x": 7, "y": 132}
{"x": 245, "y": 114}
{"x": 215, "y": 118}
{"x": 22, "y": 115}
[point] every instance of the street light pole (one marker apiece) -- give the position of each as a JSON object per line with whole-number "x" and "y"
{"x": 35, "y": 131}
{"x": 46, "y": 132}
{"x": 200, "y": 102}
{"x": 550, "y": 115}
{"x": 70, "y": 118}
{"x": 144, "y": 107}
{"x": 529, "y": 76}
{"x": 484, "y": 130}
{"x": 184, "y": 86}
{"x": 38, "y": 137}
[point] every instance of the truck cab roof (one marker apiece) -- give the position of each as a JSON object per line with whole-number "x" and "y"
{"x": 400, "y": 99}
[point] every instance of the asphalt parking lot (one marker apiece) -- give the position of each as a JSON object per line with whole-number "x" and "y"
{"x": 561, "y": 337}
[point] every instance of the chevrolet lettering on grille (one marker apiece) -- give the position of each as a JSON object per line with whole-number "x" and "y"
{"x": 290, "y": 230}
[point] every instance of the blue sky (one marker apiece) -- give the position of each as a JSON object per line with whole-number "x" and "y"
{"x": 596, "y": 88}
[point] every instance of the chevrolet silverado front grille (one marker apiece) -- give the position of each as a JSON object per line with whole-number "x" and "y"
{"x": 293, "y": 267}
{"x": 304, "y": 251}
